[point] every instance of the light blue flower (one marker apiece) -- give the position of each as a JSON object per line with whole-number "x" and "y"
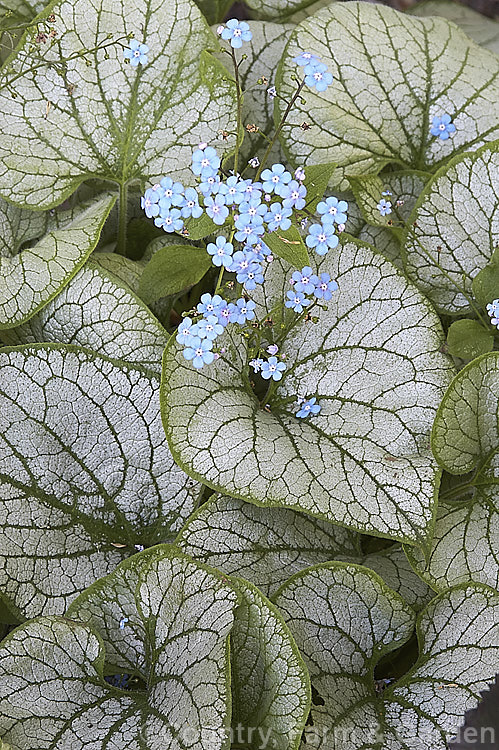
{"x": 277, "y": 217}
{"x": 225, "y": 312}
{"x": 294, "y": 195}
{"x": 236, "y": 32}
{"x": 308, "y": 407}
{"x": 209, "y": 328}
{"x": 333, "y": 211}
{"x": 249, "y": 230}
{"x": 249, "y": 209}
{"x": 244, "y": 310}
{"x": 221, "y": 250}
{"x": 149, "y": 202}
{"x": 209, "y": 185}
{"x": 123, "y": 622}
{"x": 322, "y": 238}
{"x": 297, "y": 301}
{"x": 275, "y": 179}
{"x": 170, "y": 193}
{"x": 186, "y": 331}
{"x": 384, "y": 207}
{"x": 205, "y": 162}
{"x": 242, "y": 259}
{"x": 304, "y": 280}
{"x": 252, "y": 277}
{"x": 137, "y": 53}
{"x": 493, "y": 311}
{"x": 170, "y": 221}
{"x": 199, "y": 351}
{"x": 216, "y": 209}
{"x": 306, "y": 58}
{"x": 253, "y": 189}
{"x": 234, "y": 190}
{"x": 261, "y": 251}
{"x": 324, "y": 287}
{"x": 319, "y": 77}
{"x": 189, "y": 205}
{"x": 210, "y": 305}
{"x": 272, "y": 369}
{"x": 256, "y": 364}
{"x": 442, "y": 127}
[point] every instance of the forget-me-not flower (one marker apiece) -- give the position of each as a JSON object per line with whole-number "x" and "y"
{"x": 189, "y": 205}
{"x": 442, "y": 127}
{"x": 199, "y": 351}
{"x": 322, "y": 238}
{"x": 297, "y": 301}
{"x": 324, "y": 287}
{"x": 186, "y": 331}
{"x": 256, "y": 364}
{"x": 221, "y": 250}
{"x": 493, "y": 311}
{"x": 216, "y": 209}
{"x": 236, "y": 32}
{"x": 277, "y": 217}
{"x": 384, "y": 207}
{"x": 308, "y": 407}
{"x": 275, "y": 179}
{"x": 319, "y": 77}
{"x": 205, "y": 162}
{"x": 304, "y": 280}
{"x": 306, "y": 58}
{"x": 210, "y": 305}
{"x": 234, "y": 190}
{"x": 294, "y": 195}
{"x": 244, "y": 310}
{"x": 149, "y": 202}
{"x": 170, "y": 220}
{"x": 333, "y": 211}
{"x": 209, "y": 328}
{"x": 272, "y": 369}
{"x": 137, "y": 53}
{"x": 249, "y": 230}
{"x": 170, "y": 193}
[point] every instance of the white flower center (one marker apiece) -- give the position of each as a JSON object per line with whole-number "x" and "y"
{"x": 322, "y": 238}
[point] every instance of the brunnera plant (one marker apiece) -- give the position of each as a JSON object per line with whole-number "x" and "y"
{"x": 249, "y": 297}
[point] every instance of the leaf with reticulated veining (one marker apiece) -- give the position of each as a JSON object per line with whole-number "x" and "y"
{"x": 466, "y": 439}
{"x": 270, "y": 682}
{"x": 96, "y": 312}
{"x": 97, "y": 116}
{"x": 344, "y": 619}
{"x": 178, "y": 616}
{"x": 373, "y": 361}
{"x": 485, "y": 31}
{"x": 393, "y": 73}
{"x": 454, "y": 229}
{"x": 33, "y": 276}
{"x": 85, "y": 472}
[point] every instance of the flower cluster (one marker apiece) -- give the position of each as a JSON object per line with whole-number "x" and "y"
{"x": 493, "y": 311}
{"x": 316, "y": 73}
{"x": 304, "y": 283}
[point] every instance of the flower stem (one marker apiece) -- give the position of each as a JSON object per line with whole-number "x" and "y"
{"x": 279, "y": 128}
{"x": 122, "y": 219}
{"x": 239, "y": 95}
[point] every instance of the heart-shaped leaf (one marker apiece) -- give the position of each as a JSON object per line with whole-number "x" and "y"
{"x": 33, "y": 276}
{"x": 52, "y": 689}
{"x": 345, "y": 619}
{"x": 466, "y": 439}
{"x": 85, "y": 472}
{"x": 454, "y": 229}
{"x": 173, "y": 269}
{"x": 393, "y": 74}
{"x": 113, "y": 121}
{"x": 485, "y": 31}
{"x": 468, "y": 339}
{"x": 373, "y": 362}
{"x": 96, "y": 312}
{"x": 270, "y": 682}
{"x": 268, "y": 545}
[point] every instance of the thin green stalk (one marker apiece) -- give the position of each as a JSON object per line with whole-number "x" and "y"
{"x": 122, "y": 219}
{"x": 239, "y": 95}
{"x": 279, "y": 128}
